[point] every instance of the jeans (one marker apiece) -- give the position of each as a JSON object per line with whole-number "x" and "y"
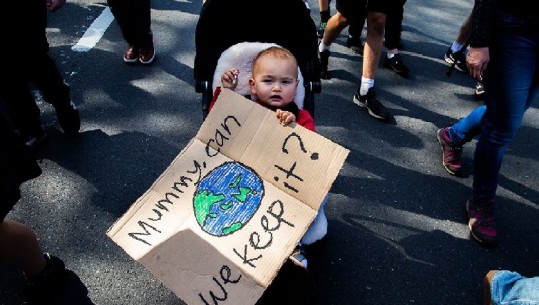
{"x": 511, "y": 83}
{"x": 511, "y": 288}
{"x": 318, "y": 228}
{"x": 466, "y": 129}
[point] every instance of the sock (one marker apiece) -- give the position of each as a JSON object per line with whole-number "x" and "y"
{"x": 324, "y": 16}
{"x": 391, "y": 53}
{"x": 322, "y": 47}
{"x": 366, "y": 84}
{"x": 455, "y": 47}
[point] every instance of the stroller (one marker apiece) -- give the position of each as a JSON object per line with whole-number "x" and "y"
{"x": 225, "y": 24}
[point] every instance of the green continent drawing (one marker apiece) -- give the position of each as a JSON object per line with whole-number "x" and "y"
{"x": 227, "y": 198}
{"x": 203, "y": 203}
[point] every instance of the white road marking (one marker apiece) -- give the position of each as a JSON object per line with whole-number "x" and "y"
{"x": 94, "y": 32}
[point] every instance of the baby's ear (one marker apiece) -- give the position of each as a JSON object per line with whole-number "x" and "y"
{"x": 252, "y": 85}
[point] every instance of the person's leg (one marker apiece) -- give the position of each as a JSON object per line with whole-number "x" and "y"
{"x": 373, "y": 44}
{"x": 134, "y": 20}
{"x": 512, "y": 83}
{"x": 465, "y": 32}
{"x": 49, "y": 81}
{"x": 454, "y": 53}
{"x": 512, "y": 78}
{"x": 20, "y": 247}
{"x": 451, "y": 139}
{"x": 22, "y": 108}
{"x": 44, "y": 273}
{"x": 334, "y": 27}
{"x": 354, "y": 32}
{"x": 393, "y": 60}
{"x": 318, "y": 228}
{"x": 356, "y": 25}
{"x": 365, "y": 95}
{"x": 467, "y": 128}
{"x": 141, "y": 9}
{"x": 325, "y": 14}
{"x": 323, "y": 6}
{"x": 125, "y": 19}
{"x": 32, "y": 42}
{"x": 393, "y": 30}
{"x": 507, "y": 287}
{"x": 142, "y": 21}
{"x": 18, "y": 243}
{"x": 40, "y": 69}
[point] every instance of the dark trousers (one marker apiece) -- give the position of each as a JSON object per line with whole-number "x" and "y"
{"x": 394, "y": 24}
{"x": 134, "y": 19}
{"x": 30, "y": 65}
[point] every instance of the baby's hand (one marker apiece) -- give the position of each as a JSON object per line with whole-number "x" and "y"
{"x": 285, "y": 117}
{"x": 229, "y": 79}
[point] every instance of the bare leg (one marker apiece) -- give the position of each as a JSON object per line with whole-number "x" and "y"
{"x": 373, "y": 45}
{"x": 335, "y": 25}
{"x": 465, "y": 30}
{"x": 323, "y": 5}
{"x": 19, "y": 245}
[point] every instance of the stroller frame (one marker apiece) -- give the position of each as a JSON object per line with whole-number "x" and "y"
{"x": 284, "y": 22}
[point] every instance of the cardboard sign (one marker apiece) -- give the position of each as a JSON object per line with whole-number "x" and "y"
{"x": 222, "y": 219}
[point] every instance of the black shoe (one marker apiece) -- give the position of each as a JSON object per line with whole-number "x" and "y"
{"x": 355, "y": 44}
{"x": 44, "y": 288}
{"x": 324, "y": 62}
{"x": 69, "y": 118}
{"x": 369, "y": 101}
{"x": 459, "y": 58}
{"x": 395, "y": 63}
{"x": 479, "y": 89}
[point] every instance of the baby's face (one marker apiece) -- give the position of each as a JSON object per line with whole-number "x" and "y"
{"x": 274, "y": 81}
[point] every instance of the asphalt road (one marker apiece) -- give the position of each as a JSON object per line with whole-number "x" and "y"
{"x": 397, "y": 231}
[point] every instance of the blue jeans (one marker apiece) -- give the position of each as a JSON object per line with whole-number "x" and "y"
{"x": 511, "y": 288}
{"x": 466, "y": 129}
{"x": 318, "y": 228}
{"x": 511, "y": 83}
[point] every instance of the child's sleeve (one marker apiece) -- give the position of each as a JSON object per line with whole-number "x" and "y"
{"x": 306, "y": 120}
{"x": 214, "y": 98}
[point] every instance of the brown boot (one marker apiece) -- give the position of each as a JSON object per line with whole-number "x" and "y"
{"x": 487, "y": 297}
